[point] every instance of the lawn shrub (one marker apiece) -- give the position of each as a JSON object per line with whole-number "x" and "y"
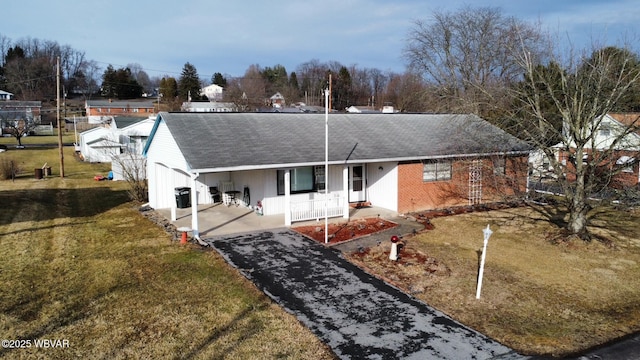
{"x": 9, "y": 168}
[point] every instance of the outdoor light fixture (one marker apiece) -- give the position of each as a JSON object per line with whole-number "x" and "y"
{"x": 487, "y": 233}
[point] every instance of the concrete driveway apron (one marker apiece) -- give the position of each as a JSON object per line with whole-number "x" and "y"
{"x": 356, "y": 314}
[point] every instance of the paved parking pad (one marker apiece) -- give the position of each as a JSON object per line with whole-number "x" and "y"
{"x": 356, "y": 314}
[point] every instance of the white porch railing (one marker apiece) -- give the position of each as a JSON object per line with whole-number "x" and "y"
{"x": 314, "y": 209}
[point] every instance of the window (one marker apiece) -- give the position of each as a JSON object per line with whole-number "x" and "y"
{"x": 626, "y": 163}
{"x": 303, "y": 179}
{"x": 319, "y": 177}
{"x": 436, "y": 170}
{"x": 605, "y": 129}
{"x": 499, "y": 166}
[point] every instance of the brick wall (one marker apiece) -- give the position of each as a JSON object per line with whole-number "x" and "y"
{"x": 414, "y": 194}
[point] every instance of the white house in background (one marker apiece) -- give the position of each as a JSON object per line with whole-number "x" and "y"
{"x": 99, "y": 144}
{"x": 119, "y": 143}
{"x": 213, "y": 92}
{"x": 5, "y": 95}
{"x": 362, "y": 109}
{"x": 277, "y": 100}
{"x": 400, "y": 162}
{"x": 209, "y": 106}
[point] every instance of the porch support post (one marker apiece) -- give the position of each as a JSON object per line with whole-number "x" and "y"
{"x": 194, "y": 205}
{"x": 345, "y": 187}
{"x": 287, "y": 197}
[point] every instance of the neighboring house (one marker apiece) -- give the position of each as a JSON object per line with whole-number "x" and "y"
{"x": 213, "y": 92}
{"x": 133, "y": 135}
{"x": 119, "y": 143}
{"x": 626, "y": 151}
{"x": 5, "y": 95}
{"x": 209, "y": 106}
{"x": 362, "y": 110}
{"x": 609, "y": 136}
{"x": 276, "y": 100}
{"x": 13, "y": 112}
{"x": 99, "y": 144}
{"x": 399, "y": 162}
{"x": 103, "y": 111}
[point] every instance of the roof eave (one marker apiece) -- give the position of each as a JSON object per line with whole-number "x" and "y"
{"x": 354, "y": 161}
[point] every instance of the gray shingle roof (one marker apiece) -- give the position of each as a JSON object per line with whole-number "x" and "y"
{"x": 124, "y": 121}
{"x": 228, "y": 140}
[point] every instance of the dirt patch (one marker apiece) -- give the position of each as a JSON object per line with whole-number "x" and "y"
{"x": 414, "y": 271}
{"x": 346, "y": 231}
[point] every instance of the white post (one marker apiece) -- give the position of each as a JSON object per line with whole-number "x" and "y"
{"x": 326, "y": 166}
{"x": 194, "y": 205}
{"x": 487, "y": 233}
{"x": 75, "y": 132}
{"x": 287, "y": 197}
{"x": 345, "y": 187}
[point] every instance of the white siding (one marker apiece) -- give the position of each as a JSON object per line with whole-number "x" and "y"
{"x": 383, "y": 185}
{"x": 166, "y": 169}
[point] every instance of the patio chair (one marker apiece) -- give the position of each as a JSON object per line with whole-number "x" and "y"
{"x": 216, "y": 197}
{"x": 228, "y": 190}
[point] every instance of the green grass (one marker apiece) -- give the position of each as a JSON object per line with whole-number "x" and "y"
{"x": 67, "y": 138}
{"x": 78, "y": 262}
{"x": 29, "y": 159}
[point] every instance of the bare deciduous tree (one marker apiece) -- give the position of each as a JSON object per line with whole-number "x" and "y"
{"x": 133, "y": 169}
{"x": 465, "y": 54}
{"x": 17, "y": 123}
{"x": 581, "y": 91}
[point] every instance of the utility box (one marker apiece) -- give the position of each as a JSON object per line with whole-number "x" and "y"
{"x": 183, "y": 197}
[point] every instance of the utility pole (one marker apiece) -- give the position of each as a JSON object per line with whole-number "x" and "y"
{"x": 330, "y": 92}
{"x": 59, "y": 123}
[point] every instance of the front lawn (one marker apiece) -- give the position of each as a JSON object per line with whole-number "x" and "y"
{"x": 540, "y": 295}
{"x": 80, "y": 264}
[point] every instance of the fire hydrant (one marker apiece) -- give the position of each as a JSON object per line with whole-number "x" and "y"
{"x": 394, "y": 248}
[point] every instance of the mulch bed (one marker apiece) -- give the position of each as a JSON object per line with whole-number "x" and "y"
{"x": 346, "y": 231}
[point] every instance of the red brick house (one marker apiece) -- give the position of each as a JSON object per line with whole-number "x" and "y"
{"x": 101, "y": 111}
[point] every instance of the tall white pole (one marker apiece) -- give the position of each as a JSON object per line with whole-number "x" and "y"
{"x": 75, "y": 131}
{"x": 326, "y": 166}
{"x": 60, "y": 149}
{"x": 487, "y": 233}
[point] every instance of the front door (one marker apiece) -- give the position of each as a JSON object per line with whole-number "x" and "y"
{"x": 357, "y": 183}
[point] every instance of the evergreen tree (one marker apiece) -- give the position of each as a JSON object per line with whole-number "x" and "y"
{"x": 120, "y": 84}
{"x": 189, "y": 83}
{"x": 218, "y": 79}
{"x": 168, "y": 88}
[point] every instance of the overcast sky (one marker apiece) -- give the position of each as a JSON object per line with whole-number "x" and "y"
{"x": 228, "y": 36}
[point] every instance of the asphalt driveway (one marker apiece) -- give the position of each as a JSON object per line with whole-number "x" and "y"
{"x": 356, "y": 314}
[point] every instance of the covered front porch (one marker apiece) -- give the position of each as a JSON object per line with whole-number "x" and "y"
{"x": 219, "y": 219}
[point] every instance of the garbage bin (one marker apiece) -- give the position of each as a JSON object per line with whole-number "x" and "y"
{"x": 183, "y": 197}
{"x": 47, "y": 171}
{"x": 38, "y": 173}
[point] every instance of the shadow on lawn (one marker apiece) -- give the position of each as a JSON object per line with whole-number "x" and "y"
{"x": 49, "y": 204}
